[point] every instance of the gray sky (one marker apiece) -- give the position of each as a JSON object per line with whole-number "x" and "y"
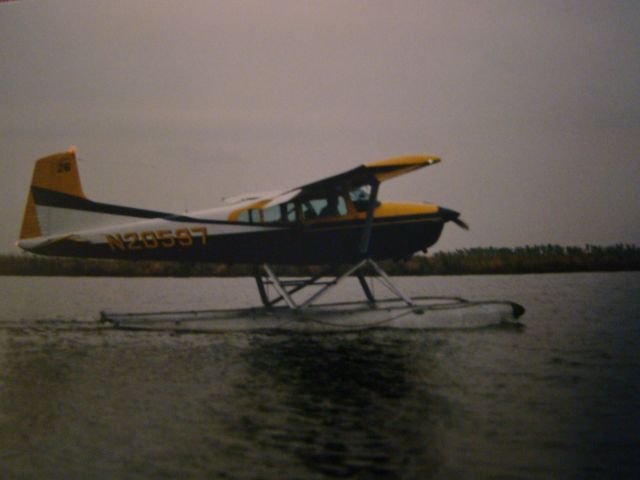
{"x": 533, "y": 106}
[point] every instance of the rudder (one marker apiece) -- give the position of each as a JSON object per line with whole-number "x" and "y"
{"x": 56, "y": 173}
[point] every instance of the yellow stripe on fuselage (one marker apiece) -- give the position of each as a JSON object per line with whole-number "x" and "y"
{"x": 395, "y": 209}
{"x": 390, "y": 213}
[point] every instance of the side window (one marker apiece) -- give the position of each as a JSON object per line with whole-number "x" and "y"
{"x": 309, "y": 211}
{"x": 332, "y": 206}
{"x": 290, "y": 211}
{"x": 243, "y": 216}
{"x": 272, "y": 214}
{"x": 285, "y": 212}
{"x": 249, "y": 216}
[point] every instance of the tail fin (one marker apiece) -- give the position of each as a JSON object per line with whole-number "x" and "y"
{"x": 56, "y": 204}
{"x": 54, "y": 174}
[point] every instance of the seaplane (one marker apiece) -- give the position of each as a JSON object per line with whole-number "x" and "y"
{"x": 336, "y": 222}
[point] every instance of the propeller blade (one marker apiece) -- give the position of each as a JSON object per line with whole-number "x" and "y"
{"x": 452, "y": 216}
{"x": 461, "y": 223}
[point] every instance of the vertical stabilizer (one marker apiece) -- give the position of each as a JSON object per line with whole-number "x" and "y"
{"x": 56, "y": 173}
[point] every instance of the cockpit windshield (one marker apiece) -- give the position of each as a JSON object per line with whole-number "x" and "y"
{"x": 360, "y": 197}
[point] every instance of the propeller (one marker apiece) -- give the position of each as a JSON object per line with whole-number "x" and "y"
{"x": 452, "y": 216}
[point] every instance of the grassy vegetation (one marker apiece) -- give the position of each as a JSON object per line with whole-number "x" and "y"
{"x": 529, "y": 259}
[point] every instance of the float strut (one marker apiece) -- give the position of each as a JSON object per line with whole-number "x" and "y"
{"x": 332, "y": 284}
{"x": 261, "y": 290}
{"x": 356, "y": 270}
{"x": 279, "y": 288}
{"x": 365, "y": 287}
{"x": 386, "y": 281}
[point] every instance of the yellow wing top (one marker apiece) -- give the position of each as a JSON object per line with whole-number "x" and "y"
{"x": 364, "y": 174}
{"x": 381, "y": 170}
{"x": 393, "y": 167}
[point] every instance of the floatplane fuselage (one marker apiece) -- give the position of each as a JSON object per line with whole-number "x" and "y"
{"x": 337, "y": 220}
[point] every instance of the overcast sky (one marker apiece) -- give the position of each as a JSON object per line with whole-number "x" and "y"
{"x": 534, "y": 107}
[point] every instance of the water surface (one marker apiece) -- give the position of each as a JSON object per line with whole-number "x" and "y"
{"x": 559, "y": 398}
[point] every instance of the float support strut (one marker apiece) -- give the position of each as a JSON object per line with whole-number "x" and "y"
{"x": 279, "y": 288}
{"x": 326, "y": 286}
{"x": 261, "y": 290}
{"x": 331, "y": 284}
{"x": 386, "y": 281}
{"x": 365, "y": 287}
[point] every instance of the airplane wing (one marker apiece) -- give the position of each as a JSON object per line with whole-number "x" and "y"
{"x": 362, "y": 175}
{"x": 246, "y": 197}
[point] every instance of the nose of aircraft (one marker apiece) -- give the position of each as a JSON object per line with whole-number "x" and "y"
{"x": 449, "y": 215}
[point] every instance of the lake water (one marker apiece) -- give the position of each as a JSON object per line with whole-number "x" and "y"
{"x": 559, "y": 398}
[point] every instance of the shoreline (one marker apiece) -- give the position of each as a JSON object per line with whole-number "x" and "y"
{"x": 474, "y": 261}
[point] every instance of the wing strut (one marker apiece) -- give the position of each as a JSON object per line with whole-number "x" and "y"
{"x": 368, "y": 226}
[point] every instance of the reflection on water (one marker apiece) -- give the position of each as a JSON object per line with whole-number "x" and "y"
{"x": 344, "y": 407}
{"x": 559, "y": 398}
